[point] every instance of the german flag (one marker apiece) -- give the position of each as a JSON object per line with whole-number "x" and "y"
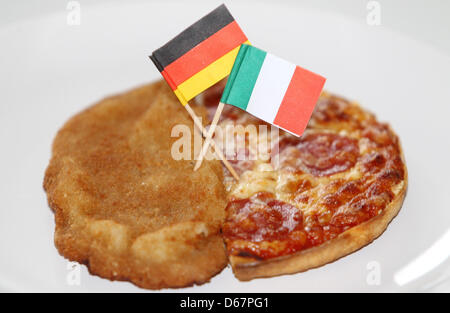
{"x": 201, "y": 55}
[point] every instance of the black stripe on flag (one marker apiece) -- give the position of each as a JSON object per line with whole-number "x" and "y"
{"x": 192, "y": 36}
{"x": 157, "y": 64}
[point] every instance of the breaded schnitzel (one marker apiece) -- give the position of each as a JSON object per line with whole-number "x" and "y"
{"x": 123, "y": 206}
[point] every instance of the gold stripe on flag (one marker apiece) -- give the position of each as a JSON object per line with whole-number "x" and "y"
{"x": 207, "y": 77}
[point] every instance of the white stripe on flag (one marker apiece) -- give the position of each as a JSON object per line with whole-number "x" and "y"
{"x": 270, "y": 87}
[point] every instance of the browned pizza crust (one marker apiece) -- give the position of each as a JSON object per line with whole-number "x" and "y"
{"x": 245, "y": 268}
{"x": 123, "y": 206}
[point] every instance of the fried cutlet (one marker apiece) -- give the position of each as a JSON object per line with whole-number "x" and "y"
{"x": 123, "y": 206}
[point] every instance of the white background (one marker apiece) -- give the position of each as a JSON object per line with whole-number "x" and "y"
{"x": 425, "y": 20}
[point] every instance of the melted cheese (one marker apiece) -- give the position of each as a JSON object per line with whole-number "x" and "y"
{"x": 262, "y": 179}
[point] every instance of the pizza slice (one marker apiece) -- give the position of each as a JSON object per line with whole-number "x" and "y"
{"x": 315, "y": 198}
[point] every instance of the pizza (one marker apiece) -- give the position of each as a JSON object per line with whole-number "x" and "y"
{"x": 313, "y": 199}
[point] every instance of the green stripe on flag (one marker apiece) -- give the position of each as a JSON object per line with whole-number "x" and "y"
{"x": 243, "y": 76}
{"x": 234, "y": 72}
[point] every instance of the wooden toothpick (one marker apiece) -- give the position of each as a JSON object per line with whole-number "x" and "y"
{"x": 209, "y": 135}
{"x": 203, "y": 131}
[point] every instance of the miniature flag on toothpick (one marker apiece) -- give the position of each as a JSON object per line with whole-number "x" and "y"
{"x": 201, "y": 55}
{"x": 273, "y": 89}
{"x": 198, "y": 58}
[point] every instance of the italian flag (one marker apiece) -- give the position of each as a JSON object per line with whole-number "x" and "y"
{"x": 273, "y": 89}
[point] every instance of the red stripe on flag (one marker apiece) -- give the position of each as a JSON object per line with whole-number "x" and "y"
{"x": 169, "y": 80}
{"x": 205, "y": 53}
{"x": 299, "y": 101}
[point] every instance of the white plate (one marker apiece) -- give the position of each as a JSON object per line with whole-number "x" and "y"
{"x": 49, "y": 71}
